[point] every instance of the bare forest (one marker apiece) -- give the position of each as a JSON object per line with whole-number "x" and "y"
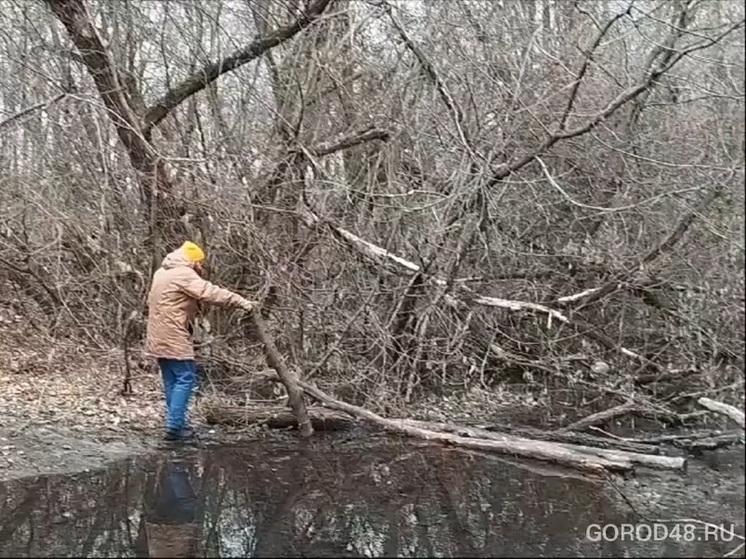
{"x": 507, "y": 204}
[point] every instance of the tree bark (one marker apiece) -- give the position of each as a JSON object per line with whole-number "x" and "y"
{"x": 208, "y": 74}
{"x": 156, "y": 187}
{"x": 275, "y": 360}
{"x": 276, "y": 417}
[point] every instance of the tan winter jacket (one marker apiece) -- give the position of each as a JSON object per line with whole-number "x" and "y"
{"x": 172, "y": 305}
{"x": 173, "y": 540}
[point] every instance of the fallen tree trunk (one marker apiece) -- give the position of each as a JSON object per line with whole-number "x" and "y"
{"x": 693, "y": 442}
{"x": 613, "y": 455}
{"x": 724, "y": 409}
{"x": 712, "y": 443}
{"x": 275, "y": 417}
{"x": 573, "y": 437}
{"x": 574, "y": 456}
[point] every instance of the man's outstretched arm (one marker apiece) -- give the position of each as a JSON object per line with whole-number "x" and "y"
{"x": 203, "y": 290}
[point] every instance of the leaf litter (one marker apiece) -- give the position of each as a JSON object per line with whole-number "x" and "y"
{"x": 60, "y": 403}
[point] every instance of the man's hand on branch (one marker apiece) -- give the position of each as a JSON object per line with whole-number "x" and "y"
{"x": 249, "y": 306}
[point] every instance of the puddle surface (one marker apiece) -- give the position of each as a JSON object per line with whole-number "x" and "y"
{"x": 338, "y": 499}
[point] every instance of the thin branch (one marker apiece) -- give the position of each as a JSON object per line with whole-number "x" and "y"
{"x": 31, "y": 109}
{"x": 574, "y": 202}
{"x": 587, "y": 62}
{"x": 665, "y": 245}
{"x": 432, "y": 74}
{"x": 347, "y": 142}
{"x": 334, "y": 347}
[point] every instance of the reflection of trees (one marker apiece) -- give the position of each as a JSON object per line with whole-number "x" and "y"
{"x": 16, "y": 514}
{"x": 87, "y": 514}
{"x": 353, "y": 503}
{"x": 319, "y": 500}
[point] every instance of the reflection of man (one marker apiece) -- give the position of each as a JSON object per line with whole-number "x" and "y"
{"x": 172, "y": 520}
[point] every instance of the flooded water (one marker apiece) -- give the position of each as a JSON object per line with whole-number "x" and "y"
{"x": 332, "y": 498}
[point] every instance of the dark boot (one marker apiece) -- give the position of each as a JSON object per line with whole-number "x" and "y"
{"x": 185, "y": 435}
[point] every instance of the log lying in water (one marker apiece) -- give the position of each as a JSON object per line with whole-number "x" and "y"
{"x": 692, "y": 442}
{"x": 589, "y": 459}
{"x": 696, "y": 441}
{"x": 622, "y": 456}
{"x": 275, "y": 417}
{"x": 573, "y": 437}
{"x": 724, "y": 409}
{"x": 576, "y": 456}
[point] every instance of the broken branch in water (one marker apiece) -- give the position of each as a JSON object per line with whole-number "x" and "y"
{"x": 275, "y": 360}
{"x": 600, "y": 417}
{"x": 650, "y": 410}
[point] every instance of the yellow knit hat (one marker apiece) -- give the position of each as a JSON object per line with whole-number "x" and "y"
{"x": 192, "y": 252}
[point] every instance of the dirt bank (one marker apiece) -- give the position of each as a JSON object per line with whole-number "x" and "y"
{"x": 60, "y": 408}
{"x": 29, "y": 449}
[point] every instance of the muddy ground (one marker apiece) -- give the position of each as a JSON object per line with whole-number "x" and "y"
{"x": 61, "y": 419}
{"x": 28, "y": 449}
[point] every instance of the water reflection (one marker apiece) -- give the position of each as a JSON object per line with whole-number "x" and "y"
{"x": 316, "y": 499}
{"x": 172, "y": 521}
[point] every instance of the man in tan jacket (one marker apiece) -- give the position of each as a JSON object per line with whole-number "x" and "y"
{"x": 172, "y": 305}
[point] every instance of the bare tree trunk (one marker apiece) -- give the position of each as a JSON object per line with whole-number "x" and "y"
{"x": 158, "y": 190}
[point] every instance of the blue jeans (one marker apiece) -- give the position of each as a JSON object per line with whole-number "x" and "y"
{"x": 179, "y": 380}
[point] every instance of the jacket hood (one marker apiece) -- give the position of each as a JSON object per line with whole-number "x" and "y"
{"x": 176, "y": 259}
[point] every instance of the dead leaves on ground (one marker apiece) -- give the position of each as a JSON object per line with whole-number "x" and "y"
{"x": 62, "y": 383}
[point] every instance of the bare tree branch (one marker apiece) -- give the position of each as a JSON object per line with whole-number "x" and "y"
{"x": 346, "y": 142}
{"x": 208, "y": 74}
{"x": 668, "y": 61}
{"x": 587, "y": 62}
{"x": 664, "y": 246}
{"x": 379, "y": 254}
{"x": 456, "y": 113}
{"x": 31, "y": 109}
{"x": 73, "y": 14}
{"x": 628, "y": 207}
